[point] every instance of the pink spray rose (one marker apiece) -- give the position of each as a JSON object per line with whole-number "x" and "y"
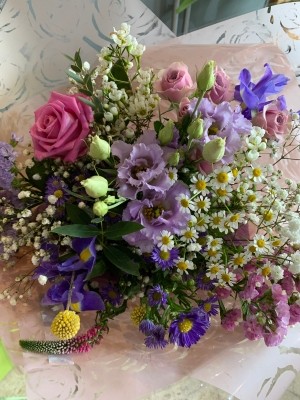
{"x": 175, "y": 82}
{"x": 61, "y": 125}
{"x": 223, "y": 88}
{"x": 274, "y": 120}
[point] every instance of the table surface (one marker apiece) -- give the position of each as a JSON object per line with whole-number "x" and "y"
{"x": 29, "y": 69}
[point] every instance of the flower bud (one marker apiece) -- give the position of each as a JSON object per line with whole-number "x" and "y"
{"x": 206, "y": 78}
{"x": 214, "y": 150}
{"x": 99, "y": 149}
{"x": 195, "y": 129}
{"x": 174, "y": 159}
{"x": 96, "y": 186}
{"x": 100, "y": 208}
{"x": 166, "y": 134}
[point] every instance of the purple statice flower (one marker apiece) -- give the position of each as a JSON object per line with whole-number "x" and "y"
{"x": 188, "y": 328}
{"x": 210, "y": 305}
{"x": 251, "y": 288}
{"x": 222, "y": 292}
{"x": 221, "y": 120}
{"x": 294, "y": 314}
{"x": 287, "y": 283}
{"x": 165, "y": 259}
{"x": 252, "y": 328}
{"x": 55, "y": 186}
{"x": 254, "y": 95}
{"x": 141, "y": 166}
{"x": 274, "y": 338}
{"x": 7, "y": 159}
{"x": 157, "y": 297}
{"x": 146, "y": 326}
{"x": 85, "y": 257}
{"x": 230, "y": 320}
{"x": 158, "y": 213}
{"x": 111, "y": 294}
{"x": 81, "y": 299}
{"x": 156, "y": 338}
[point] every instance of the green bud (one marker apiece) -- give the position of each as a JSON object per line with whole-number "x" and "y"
{"x": 96, "y": 186}
{"x": 195, "y": 129}
{"x": 174, "y": 159}
{"x": 99, "y": 149}
{"x": 100, "y": 208}
{"x": 166, "y": 134}
{"x": 214, "y": 150}
{"x": 206, "y": 78}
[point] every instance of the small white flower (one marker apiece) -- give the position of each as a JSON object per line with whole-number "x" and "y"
{"x": 185, "y": 203}
{"x": 42, "y": 279}
{"x": 184, "y": 265}
{"x": 165, "y": 241}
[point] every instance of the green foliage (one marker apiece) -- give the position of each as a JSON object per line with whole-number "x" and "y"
{"x": 98, "y": 270}
{"x": 120, "y": 259}
{"x": 77, "y": 230}
{"x": 77, "y": 215}
{"x": 118, "y": 230}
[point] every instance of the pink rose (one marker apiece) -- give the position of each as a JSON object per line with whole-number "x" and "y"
{"x": 184, "y": 107}
{"x": 223, "y": 88}
{"x": 60, "y": 128}
{"x": 274, "y": 120}
{"x": 175, "y": 82}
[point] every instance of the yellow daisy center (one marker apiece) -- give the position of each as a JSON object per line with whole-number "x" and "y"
{"x": 268, "y": 216}
{"x": 239, "y": 260}
{"x": 207, "y": 307}
{"x": 235, "y": 172}
{"x": 188, "y": 234}
{"x": 164, "y": 255}
{"x": 251, "y": 198}
{"x": 256, "y": 172}
{"x": 58, "y": 194}
{"x": 184, "y": 203}
{"x": 214, "y": 269}
{"x": 211, "y": 252}
{"x": 266, "y": 270}
{"x": 200, "y": 185}
{"x": 225, "y": 277}
{"x": 261, "y": 243}
{"x": 221, "y": 192}
{"x": 201, "y": 204}
{"x": 222, "y": 177}
{"x": 182, "y": 265}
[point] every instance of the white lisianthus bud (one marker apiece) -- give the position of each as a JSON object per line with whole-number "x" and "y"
{"x": 195, "y": 129}
{"x": 206, "y": 77}
{"x": 86, "y": 66}
{"x": 166, "y": 134}
{"x": 96, "y": 186}
{"x": 100, "y": 208}
{"x": 99, "y": 149}
{"x": 174, "y": 159}
{"x": 214, "y": 150}
{"x": 108, "y": 116}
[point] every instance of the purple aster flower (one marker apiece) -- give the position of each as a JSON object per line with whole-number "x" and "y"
{"x": 156, "y": 338}
{"x": 146, "y": 326}
{"x": 204, "y": 282}
{"x": 188, "y": 328}
{"x": 111, "y": 294}
{"x": 81, "y": 299}
{"x": 254, "y": 95}
{"x": 141, "y": 166}
{"x": 210, "y": 305}
{"x": 165, "y": 259}
{"x": 7, "y": 159}
{"x": 162, "y": 212}
{"x": 55, "y": 186}
{"x": 157, "y": 297}
{"x": 85, "y": 257}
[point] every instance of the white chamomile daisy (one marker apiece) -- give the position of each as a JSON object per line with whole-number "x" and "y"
{"x": 189, "y": 235}
{"x": 214, "y": 243}
{"x": 184, "y": 265}
{"x": 165, "y": 241}
{"x": 222, "y": 177}
{"x": 185, "y": 203}
{"x": 213, "y": 270}
{"x": 199, "y": 184}
{"x": 226, "y": 277}
{"x": 172, "y": 174}
{"x": 216, "y": 219}
{"x": 202, "y": 222}
{"x": 202, "y": 204}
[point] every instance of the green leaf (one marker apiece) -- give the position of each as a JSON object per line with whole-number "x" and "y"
{"x": 74, "y": 76}
{"x": 118, "y": 230}
{"x": 98, "y": 270}
{"x": 184, "y": 4}
{"x": 121, "y": 260}
{"x": 77, "y": 59}
{"x": 84, "y": 100}
{"x": 75, "y": 68}
{"x": 158, "y": 126}
{"x": 85, "y": 91}
{"x": 77, "y": 215}
{"x": 39, "y": 168}
{"x": 77, "y": 230}
{"x": 89, "y": 84}
{"x": 119, "y": 75}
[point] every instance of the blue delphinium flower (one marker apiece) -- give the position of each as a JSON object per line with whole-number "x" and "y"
{"x": 165, "y": 259}
{"x": 189, "y": 327}
{"x": 157, "y": 297}
{"x": 254, "y": 95}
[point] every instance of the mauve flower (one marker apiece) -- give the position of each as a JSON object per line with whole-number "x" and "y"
{"x": 287, "y": 283}
{"x": 141, "y": 166}
{"x": 161, "y": 212}
{"x": 294, "y": 314}
{"x": 223, "y": 88}
{"x": 60, "y": 128}
{"x": 157, "y": 297}
{"x": 252, "y": 329}
{"x": 230, "y": 320}
{"x": 275, "y": 338}
{"x": 275, "y": 119}
{"x": 250, "y": 290}
{"x": 254, "y": 95}
{"x": 174, "y": 82}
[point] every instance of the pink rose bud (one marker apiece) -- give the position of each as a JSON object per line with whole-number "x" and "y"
{"x": 184, "y": 107}
{"x": 174, "y": 82}
{"x": 223, "y": 89}
{"x": 60, "y": 128}
{"x": 275, "y": 121}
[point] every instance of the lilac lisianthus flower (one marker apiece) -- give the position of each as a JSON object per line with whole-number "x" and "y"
{"x": 161, "y": 212}
{"x": 141, "y": 166}
{"x": 254, "y": 95}
{"x": 81, "y": 299}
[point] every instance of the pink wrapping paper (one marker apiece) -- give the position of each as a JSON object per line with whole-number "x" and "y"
{"x": 121, "y": 367}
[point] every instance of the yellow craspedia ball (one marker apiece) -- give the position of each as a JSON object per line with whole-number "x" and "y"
{"x": 138, "y": 314}
{"x": 65, "y": 325}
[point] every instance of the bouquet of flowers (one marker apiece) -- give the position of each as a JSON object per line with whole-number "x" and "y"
{"x": 157, "y": 193}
